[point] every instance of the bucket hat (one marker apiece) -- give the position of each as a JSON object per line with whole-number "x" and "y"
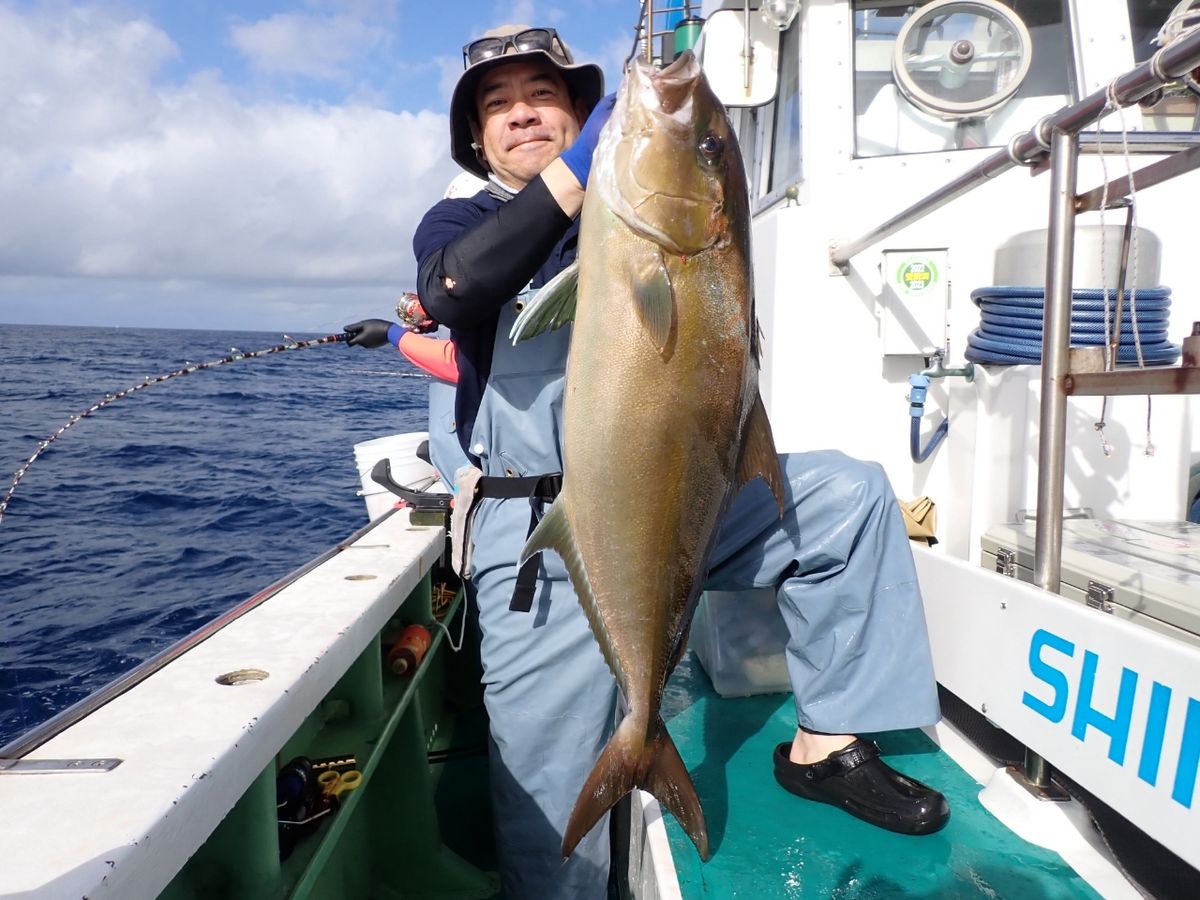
{"x": 502, "y": 45}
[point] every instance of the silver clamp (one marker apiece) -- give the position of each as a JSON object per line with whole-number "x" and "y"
{"x": 1041, "y": 132}
{"x": 1011, "y": 150}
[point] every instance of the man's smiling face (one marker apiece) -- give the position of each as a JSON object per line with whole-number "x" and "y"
{"x": 526, "y": 119}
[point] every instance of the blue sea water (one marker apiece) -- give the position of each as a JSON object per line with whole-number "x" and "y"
{"x": 173, "y": 504}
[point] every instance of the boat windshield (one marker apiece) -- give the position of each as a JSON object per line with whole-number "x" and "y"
{"x": 956, "y": 74}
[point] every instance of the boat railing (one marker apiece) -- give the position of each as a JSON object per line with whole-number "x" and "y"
{"x": 649, "y": 39}
{"x": 1054, "y": 143}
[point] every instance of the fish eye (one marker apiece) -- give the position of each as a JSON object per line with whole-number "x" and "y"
{"x": 710, "y": 146}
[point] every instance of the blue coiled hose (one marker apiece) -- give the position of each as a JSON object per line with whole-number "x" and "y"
{"x": 1010, "y": 325}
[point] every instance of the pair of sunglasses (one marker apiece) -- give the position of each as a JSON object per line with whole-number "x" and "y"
{"x": 521, "y": 42}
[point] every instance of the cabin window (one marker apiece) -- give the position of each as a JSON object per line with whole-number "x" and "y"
{"x": 749, "y": 128}
{"x": 1179, "y": 108}
{"x": 785, "y": 126}
{"x": 770, "y": 135}
{"x": 955, "y": 74}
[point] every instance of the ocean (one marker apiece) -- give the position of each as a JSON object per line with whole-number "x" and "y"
{"x": 150, "y": 517}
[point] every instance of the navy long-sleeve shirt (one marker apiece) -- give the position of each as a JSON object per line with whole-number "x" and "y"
{"x": 491, "y": 248}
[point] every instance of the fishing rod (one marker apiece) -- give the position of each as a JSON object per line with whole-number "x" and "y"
{"x": 234, "y": 355}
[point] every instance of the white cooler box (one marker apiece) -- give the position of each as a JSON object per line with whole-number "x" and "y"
{"x": 739, "y": 637}
{"x": 1145, "y": 572}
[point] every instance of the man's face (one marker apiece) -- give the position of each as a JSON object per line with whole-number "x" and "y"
{"x": 526, "y": 119}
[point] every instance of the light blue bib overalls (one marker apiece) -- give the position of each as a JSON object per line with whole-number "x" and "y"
{"x": 858, "y": 653}
{"x": 445, "y": 452}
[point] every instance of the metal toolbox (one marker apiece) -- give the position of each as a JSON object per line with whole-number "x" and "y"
{"x": 1146, "y": 572}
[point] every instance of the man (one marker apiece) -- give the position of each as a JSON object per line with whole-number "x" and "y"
{"x": 526, "y": 117}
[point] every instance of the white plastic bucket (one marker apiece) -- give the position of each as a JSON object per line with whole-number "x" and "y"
{"x": 1021, "y": 260}
{"x": 407, "y": 470}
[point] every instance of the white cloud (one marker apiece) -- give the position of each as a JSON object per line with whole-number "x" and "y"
{"x": 75, "y": 75}
{"x": 106, "y": 172}
{"x": 611, "y": 57}
{"x": 315, "y": 46}
{"x": 450, "y": 69}
{"x": 521, "y": 12}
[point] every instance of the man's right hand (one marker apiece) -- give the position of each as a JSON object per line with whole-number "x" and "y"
{"x": 369, "y": 333}
{"x": 578, "y": 157}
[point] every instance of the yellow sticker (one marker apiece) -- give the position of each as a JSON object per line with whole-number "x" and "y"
{"x": 917, "y": 275}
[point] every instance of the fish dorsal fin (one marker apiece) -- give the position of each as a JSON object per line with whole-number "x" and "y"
{"x": 759, "y": 458}
{"x": 654, "y": 299}
{"x": 553, "y": 306}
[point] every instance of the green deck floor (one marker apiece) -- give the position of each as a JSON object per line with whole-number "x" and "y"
{"x": 769, "y": 844}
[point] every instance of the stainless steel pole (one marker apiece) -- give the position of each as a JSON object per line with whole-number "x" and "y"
{"x": 1056, "y": 331}
{"x": 1056, "y": 335}
{"x": 650, "y": 31}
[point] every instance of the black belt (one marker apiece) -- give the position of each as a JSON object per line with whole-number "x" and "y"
{"x": 539, "y": 489}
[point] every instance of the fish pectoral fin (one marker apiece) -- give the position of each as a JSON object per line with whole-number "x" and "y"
{"x": 654, "y": 297}
{"x": 553, "y": 306}
{"x": 759, "y": 457}
{"x": 648, "y": 761}
{"x": 553, "y": 532}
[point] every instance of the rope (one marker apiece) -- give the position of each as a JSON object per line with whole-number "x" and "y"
{"x": 1109, "y": 362}
{"x": 1111, "y": 101}
{"x": 234, "y": 355}
{"x": 1182, "y": 21}
{"x": 462, "y": 630}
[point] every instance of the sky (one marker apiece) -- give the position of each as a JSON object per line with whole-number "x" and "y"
{"x": 236, "y": 165}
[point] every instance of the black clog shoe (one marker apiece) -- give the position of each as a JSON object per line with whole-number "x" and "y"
{"x": 862, "y": 784}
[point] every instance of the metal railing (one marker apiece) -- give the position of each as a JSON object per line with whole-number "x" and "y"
{"x": 668, "y": 12}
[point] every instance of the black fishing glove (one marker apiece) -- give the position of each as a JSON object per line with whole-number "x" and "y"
{"x": 369, "y": 333}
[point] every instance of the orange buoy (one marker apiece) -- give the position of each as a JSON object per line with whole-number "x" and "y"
{"x": 409, "y": 649}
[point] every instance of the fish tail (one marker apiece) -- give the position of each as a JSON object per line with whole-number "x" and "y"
{"x": 652, "y": 763}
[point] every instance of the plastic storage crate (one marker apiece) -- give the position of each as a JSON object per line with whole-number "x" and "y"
{"x": 739, "y": 638}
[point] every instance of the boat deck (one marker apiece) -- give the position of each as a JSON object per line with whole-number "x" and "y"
{"x": 770, "y": 844}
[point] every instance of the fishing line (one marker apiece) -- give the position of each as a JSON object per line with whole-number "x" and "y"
{"x": 234, "y": 355}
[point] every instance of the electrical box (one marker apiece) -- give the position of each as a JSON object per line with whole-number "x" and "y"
{"x": 916, "y": 301}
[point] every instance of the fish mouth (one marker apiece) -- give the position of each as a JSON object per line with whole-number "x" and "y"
{"x": 674, "y": 84}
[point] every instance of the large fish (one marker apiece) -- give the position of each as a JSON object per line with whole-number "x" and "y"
{"x": 662, "y": 417}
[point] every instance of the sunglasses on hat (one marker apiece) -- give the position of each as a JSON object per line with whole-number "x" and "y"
{"x": 521, "y": 42}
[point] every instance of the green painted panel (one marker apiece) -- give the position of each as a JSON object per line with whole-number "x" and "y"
{"x": 770, "y": 844}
